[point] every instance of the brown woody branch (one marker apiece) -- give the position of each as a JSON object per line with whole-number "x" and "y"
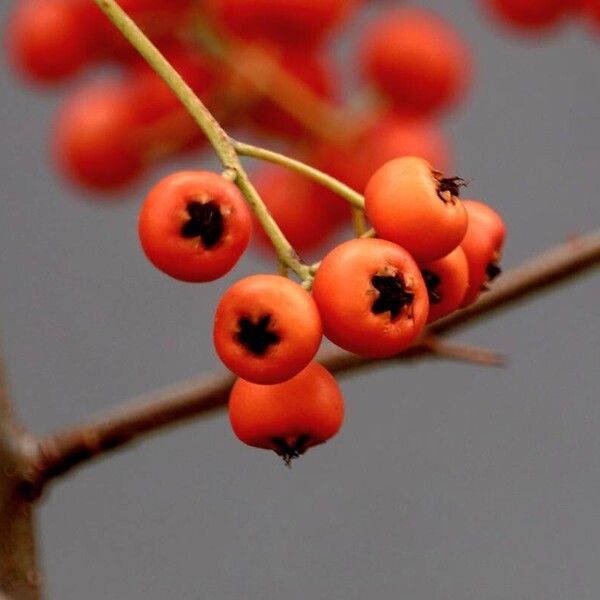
{"x": 19, "y": 575}
{"x": 552, "y": 267}
{"x": 63, "y": 450}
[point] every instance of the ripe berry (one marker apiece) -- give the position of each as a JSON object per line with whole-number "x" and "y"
{"x": 371, "y": 296}
{"x": 287, "y": 417}
{"x": 417, "y": 60}
{"x": 194, "y": 226}
{"x": 413, "y": 205}
{"x": 447, "y": 280}
{"x": 48, "y": 40}
{"x": 482, "y": 246}
{"x": 94, "y": 138}
{"x": 267, "y": 328}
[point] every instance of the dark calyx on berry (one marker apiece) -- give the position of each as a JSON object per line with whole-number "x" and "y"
{"x": 393, "y": 295}
{"x": 206, "y": 222}
{"x": 432, "y": 282}
{"x": 255, "y": 336}
{"x": 289, "y": 451}
{"x": 452, "y": 185}
{"x": 492, "y": 270}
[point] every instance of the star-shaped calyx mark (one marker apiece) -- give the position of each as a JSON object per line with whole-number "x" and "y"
{"x": 205, "y": 222}
{"x": 255, "y": 336}
{"x": 448, "y": 188}
{"x": 290, "y": 449}
{"x": 393, "y": 295}
{"x": 432, "y": 282}
{"x": 492, "y": 270}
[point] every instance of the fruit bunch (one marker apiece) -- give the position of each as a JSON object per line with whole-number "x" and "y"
{"x": 541, "y": 16}
{"x": 263, "y": 65}
{"x": 430, "y": 253}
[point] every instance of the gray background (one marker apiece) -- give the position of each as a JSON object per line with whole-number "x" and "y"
{"x": 447, "y": 481}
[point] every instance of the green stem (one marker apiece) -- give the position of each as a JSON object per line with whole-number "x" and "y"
{"x": 353, "y": 198}
{"x": 358, "y": 222}
{"x": 218, "y": 138}
{"x": 370, "y": 233}
{"x": 285, "y": 251}
{"x": 211, "y": 128}
{"x": 282, "y": 269}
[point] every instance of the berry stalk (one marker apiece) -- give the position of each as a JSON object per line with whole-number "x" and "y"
{"x": 355, "y": 199}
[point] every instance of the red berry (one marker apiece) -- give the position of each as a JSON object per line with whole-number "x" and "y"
{"x": 371, "y": 296}
{"x": 417, "y": 60}
{"x": 94, "y": 138}
{"x": 482, "y": 246}
{"x": 447, "y": 280}
{"x": 194, "y": 226}
{"x": 288, "y": 417}
{"x": 48, "y": 40}
{"x": 416, "y": 207}
{"x": 267, "y": 328}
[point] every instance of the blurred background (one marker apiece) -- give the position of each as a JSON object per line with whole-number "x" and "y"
{"x": 448, "y": 481}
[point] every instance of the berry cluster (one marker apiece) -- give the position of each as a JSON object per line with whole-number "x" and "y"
{"x": 262, "y": 65}
{"x": 541, "y": 16}
{"x": 372, "y": 296}
{"x": 259, "y": 65}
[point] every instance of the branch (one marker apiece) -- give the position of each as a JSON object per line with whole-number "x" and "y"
{"x": 464, "y": 353}
{"x": 186, "y": 400}
{"x": 63, "y": 450}
{"x": 6, "y": 411}
{"x": 19, "y": 578}
{"x": 19, "y": 574}
{"x": 555, "y": 266}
